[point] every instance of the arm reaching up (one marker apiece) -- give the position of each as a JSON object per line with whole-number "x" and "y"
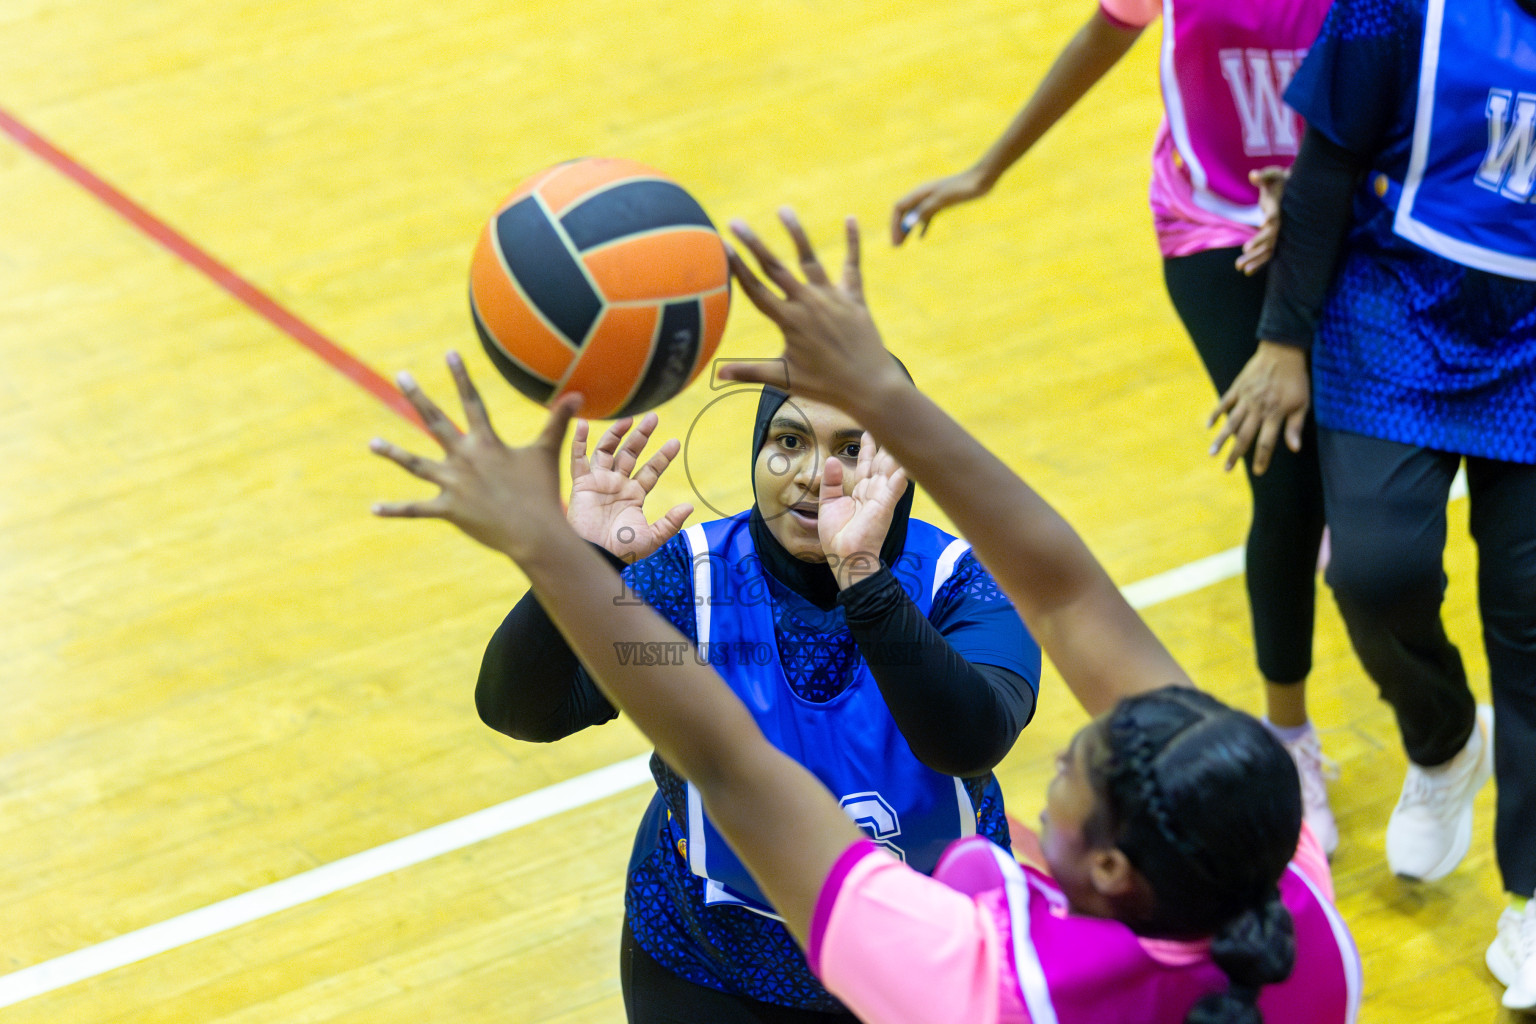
{"x": 833, "y": 353}
{"x": 1097, "y": 47}
{"x": 781, "y": 821}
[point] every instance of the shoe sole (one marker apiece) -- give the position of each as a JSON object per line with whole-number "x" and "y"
{"x": 1516, "y": 998}
{"x": 1452, "y": 858}
{"x": 1500, "y": 965}
{"x": 1463, "y": 841}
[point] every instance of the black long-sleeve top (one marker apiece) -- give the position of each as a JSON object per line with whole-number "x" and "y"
{"x": 959, "y": 717}
{"x": 1315, "y": 214}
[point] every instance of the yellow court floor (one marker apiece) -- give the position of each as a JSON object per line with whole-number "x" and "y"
{"x": 220, "y": 676}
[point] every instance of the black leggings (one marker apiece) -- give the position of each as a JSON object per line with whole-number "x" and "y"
{"x": 1220, "y": 308}
{"x": 654, "y": 995}
{"x": 1386, "y": 507}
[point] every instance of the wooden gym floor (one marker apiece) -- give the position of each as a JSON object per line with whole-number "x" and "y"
{"x": 227, "y": 688}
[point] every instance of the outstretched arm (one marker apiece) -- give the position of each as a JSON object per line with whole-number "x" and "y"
{"x": 833, "y": 353}
{"x": 781, "y": 821}
{"x": 1096, "y": 48}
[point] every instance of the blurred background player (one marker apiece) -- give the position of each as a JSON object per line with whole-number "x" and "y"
{"x": 1217, "y": 166}
{"x": 1407, "y": 270}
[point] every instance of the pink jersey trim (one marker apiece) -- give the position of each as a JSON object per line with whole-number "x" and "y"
{"x": 1183, "y": 226}
{"x": 827, "y": 898}
{"x": 1312, "y": 862}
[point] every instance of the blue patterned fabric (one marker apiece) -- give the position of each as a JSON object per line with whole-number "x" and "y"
{"x": 731, "y": 948}
{"x": 1411, "y": 347}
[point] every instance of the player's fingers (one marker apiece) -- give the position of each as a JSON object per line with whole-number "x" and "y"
{"x": 773, "y": 372}
{"x": 886, "y": 464}
{"x": 831, "y": 479}
{"x": 758, "y": 293}
{"x": 560, "y": 415}
{"x": 864, "y": 465}
{"x": 853, "y": 276}
{"x": 657, "y": 464}
{"x": 579, "y": 464}
{"x": 773, "y": 268}
{"x": 608, "y": 444}
{"x": 435, "y": 509}
{"x": 414, "y": 464}
{"x": 810, "y": 266}
{"x": 1264, "y": 446}
{"x": 1242, "y": 440}
{"x": 1228, "y": 428}
{"x": 436, "y": 422}
{"x": 1230, "y": 401}
{"x": 668, "y": 525}
{"x": 475, "y": 414}
{"x": 903, "y": 215}
{"x": 925, "y": 215}
{"x": 635, "y": 443}
{"x": 1295, "y": 423}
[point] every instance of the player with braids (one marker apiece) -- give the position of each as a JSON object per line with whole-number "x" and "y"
{"x": 1169, "y": 753}
{"x": 1183, "y": 886}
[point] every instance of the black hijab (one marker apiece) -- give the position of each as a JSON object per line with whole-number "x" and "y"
{"x": 811, "y": 580}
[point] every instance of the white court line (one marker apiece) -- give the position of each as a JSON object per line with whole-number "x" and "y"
{"x": 322, "y": 881}
{"x": 455, "y": 835}
{"x": 1186, "y": 579}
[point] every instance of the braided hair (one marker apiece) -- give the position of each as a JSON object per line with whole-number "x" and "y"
{"x": 1205, "y": 803}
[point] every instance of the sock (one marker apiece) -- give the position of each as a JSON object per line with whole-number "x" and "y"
{"x": 1288, "y": 733}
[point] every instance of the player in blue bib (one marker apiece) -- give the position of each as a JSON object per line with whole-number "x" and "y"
{"x": 1406, "y": 270}
{"x": 886, "y": 661}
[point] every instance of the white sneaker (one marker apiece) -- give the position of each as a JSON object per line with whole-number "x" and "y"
{"x": 1316, "y": 771}
{"x": 1512, "y": 957}
{"x": 1431, "y": 828}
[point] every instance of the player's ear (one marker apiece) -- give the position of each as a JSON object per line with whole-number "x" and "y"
{"x": 1112, "y": 873}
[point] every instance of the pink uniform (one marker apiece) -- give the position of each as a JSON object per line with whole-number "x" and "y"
{"x": 1224, "y": 67}
{"x": 988, "y": 941}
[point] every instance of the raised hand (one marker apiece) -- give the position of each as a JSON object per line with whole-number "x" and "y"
{"x": 506, "y": 498}
{"x": 856, "y": 510}
{"x": 607, "y": 505}
{"x": 1271, "y": 395}
{"x": 918, "y": 207}
{"x": 832, "y": 349}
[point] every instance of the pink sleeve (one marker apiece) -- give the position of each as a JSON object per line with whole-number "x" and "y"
{"x": 896, "y": 946}
{"x": 1131, "y": 13}
{"x": 1311, "y": 861}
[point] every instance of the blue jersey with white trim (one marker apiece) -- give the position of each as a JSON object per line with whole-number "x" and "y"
{"x": 1428, "y": 336}
{"x": 699, "y": 929}
{"x": 849, "y": 742}
{"x": 1472, "y": 170}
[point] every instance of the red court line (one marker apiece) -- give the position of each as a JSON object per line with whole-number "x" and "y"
{"x": 179, "y": 245}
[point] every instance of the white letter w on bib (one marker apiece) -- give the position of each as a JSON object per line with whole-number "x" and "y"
{"x": 1510, "y": 166}
{"x": 1258, "y": 79}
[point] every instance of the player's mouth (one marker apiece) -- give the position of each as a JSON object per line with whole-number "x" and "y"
{"x": 805, "y": 514}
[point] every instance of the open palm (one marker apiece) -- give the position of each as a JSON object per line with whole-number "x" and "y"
{"x": 856, "y": 509}
{"x": 607, "y": 504}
